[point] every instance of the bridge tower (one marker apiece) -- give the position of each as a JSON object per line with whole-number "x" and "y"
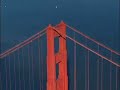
{"x": 60, "y": 58}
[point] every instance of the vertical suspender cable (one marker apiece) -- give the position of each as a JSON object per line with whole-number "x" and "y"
{"x": 88, "y": 68}
{"x": 9, "y": 72}
{"x": 74, "y": 63}
{"x": 111, "y": 72}
{"x": 19, "y": 69}
{"x": 6, "y": 74}
{"x": 41, "y": 66}
{"x": 32, "y": 58}
{"x": 98, "y": 70}
{"x": 1, "y": 80}
{"x": 102, "y": 74}
{"x": 23, "y": 69}
{"x": 14, "y": 72}
{"x": 39, "y": 56}
{"x": 29, "y": 65}
{"x": 85, "y": 65}
{"x": 116, "y": 78}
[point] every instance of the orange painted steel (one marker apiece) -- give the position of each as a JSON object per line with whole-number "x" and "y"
{"x": 60, "y": 58}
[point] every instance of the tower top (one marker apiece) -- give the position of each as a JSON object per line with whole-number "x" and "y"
{"x": 62, "y": 22}
{"x": 49, "y": 26}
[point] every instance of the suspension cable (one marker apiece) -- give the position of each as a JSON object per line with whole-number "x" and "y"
{"x": 114, "y": 63}
{"x": 14, "y": 71}
{"x": 19, "y": 69}
{"x": 116, "y": 78}
{"x": 101, "y": 73}
{"x": 41, "y": 66}
{"x": 9, "y": 71}
{"x": 111, "y": 72}
{"x": 85, "y": 65}
{"x": 23, "y": 68}
{"x": 18, "y": 46}
{"x": 6, "y": 74}
{"x": 98, "y": 69}
{"x": 29, "y": 66}
{"x": 74, "y": 64}
{"x": 32, "y": 58}
{"x": 75, "y": 30}
{"x": 63, "y": 35}
{"x": 0, "y": 80}
{"x": 88, "y": 63}
{"x": 39, "y": 56}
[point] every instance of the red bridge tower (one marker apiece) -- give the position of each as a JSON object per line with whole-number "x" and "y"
{"x": 60, "y": 58}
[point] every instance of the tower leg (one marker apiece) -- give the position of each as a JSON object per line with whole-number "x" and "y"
{"x": 51, "y": 63}
{"x": 61, "y": 83}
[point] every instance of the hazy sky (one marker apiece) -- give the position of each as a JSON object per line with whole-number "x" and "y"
{"x": 23, "y": 18}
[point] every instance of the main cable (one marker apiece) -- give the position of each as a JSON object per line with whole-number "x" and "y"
{"x": 93, "y": 51}
{"x": 75, "y": 30}
{"x": 22, "y": 44}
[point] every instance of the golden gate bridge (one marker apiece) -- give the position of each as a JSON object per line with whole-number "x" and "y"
{"x": 60, "y": 58}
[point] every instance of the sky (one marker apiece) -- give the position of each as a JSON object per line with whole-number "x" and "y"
{"x": 99, "y": 19}
{"x": 21, "y": 19}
